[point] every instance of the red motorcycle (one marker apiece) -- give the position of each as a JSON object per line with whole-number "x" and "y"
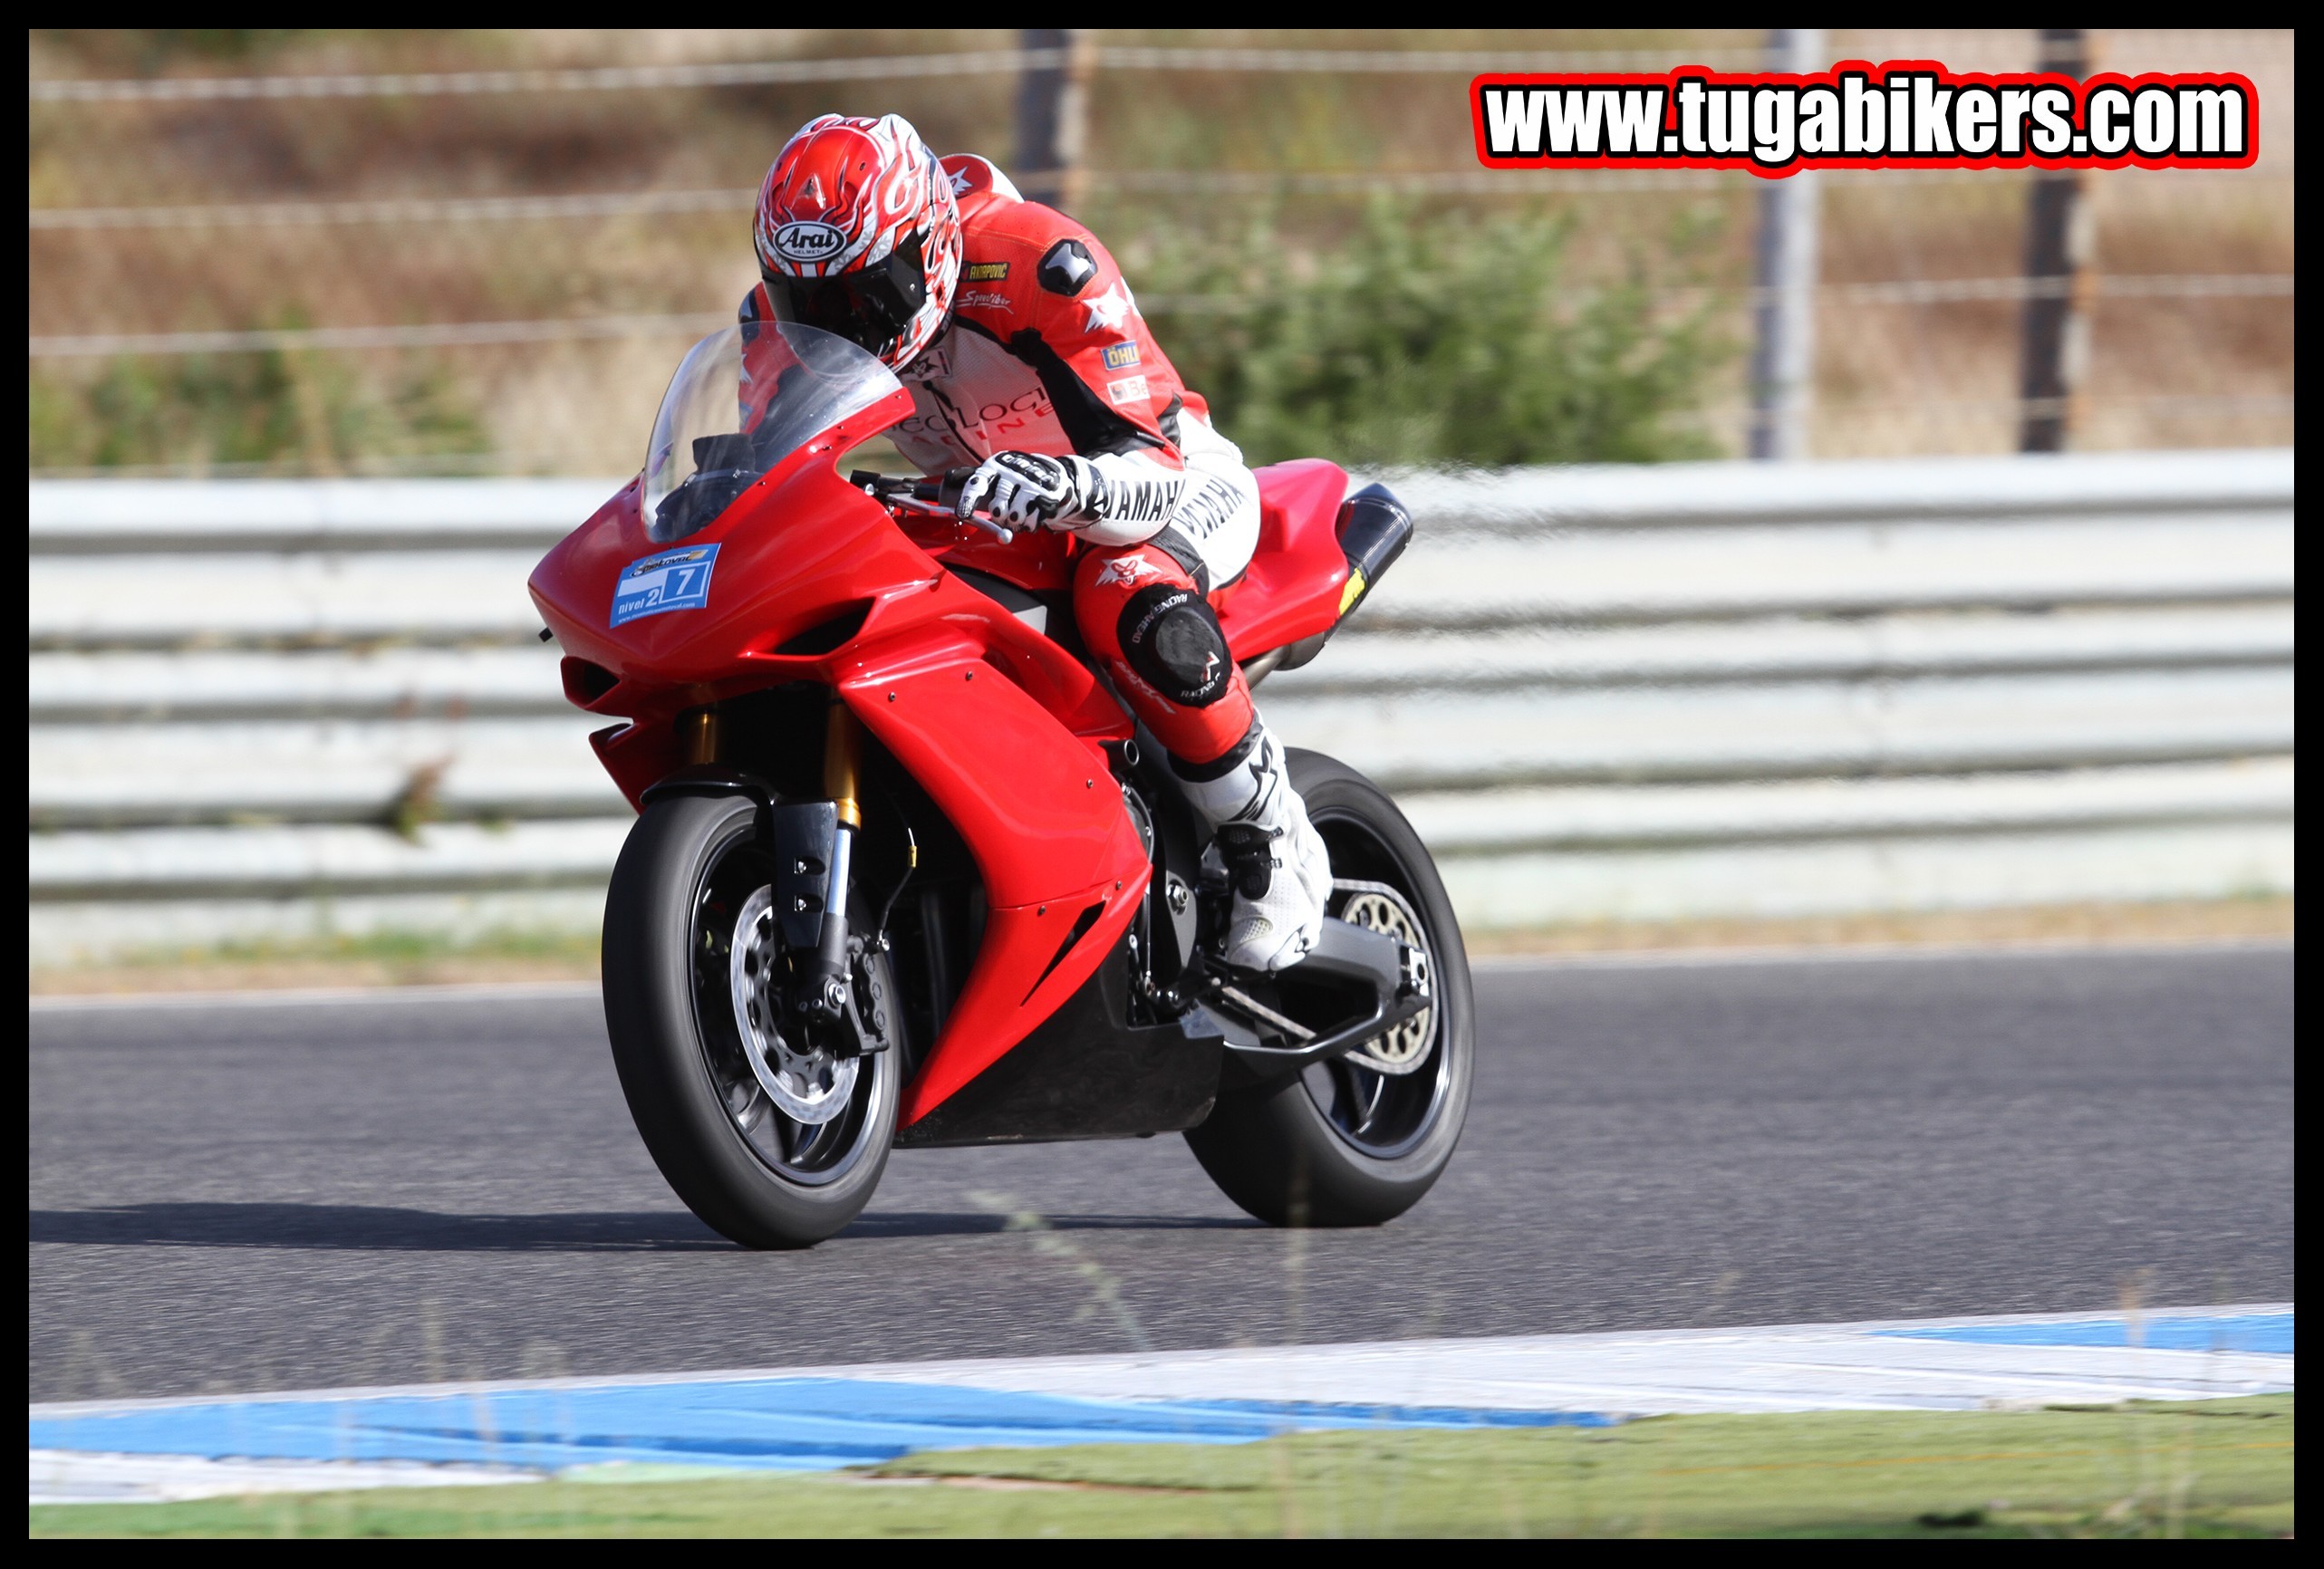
{"x": 905, "y": 871}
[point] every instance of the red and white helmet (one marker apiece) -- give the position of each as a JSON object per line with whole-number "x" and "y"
{"x": 857, "y": 234}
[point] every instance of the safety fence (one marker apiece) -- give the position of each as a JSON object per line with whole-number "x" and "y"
{"x": 1909, "y": 312}
{"x": 270, "y": 707}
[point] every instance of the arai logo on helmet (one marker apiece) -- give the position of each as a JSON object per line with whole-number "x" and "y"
{"x": 807, "y": 241}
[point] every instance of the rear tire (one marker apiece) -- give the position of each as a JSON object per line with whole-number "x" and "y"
{"x": 762, "y": 1177}
{"x": 1294, "y": 1153}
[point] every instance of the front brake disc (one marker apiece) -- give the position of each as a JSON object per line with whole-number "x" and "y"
{"x": 812, "y": 1086}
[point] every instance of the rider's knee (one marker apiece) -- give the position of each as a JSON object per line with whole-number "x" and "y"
{"x": 1170, "y": 637}
{"x": 1103, "y": 581}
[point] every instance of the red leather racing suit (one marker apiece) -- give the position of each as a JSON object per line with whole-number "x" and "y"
{"x": 1045, "y": 352}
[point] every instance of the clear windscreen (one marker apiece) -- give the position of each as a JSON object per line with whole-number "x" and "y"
{"x": 743, "y": 399}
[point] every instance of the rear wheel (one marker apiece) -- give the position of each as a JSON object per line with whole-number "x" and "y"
{"x": 771, "y": 1140}
{"x": 1358, "y": 1140}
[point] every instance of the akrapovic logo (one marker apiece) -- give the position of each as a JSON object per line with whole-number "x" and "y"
{"x": 807, "y": 241}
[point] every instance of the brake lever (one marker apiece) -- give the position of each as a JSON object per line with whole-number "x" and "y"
{"x": 895, "y": 493}
{"x": 929, "y": 509}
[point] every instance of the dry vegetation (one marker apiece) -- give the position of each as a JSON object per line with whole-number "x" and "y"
{"x": 404, "y": 959}
{"x": 1893, "y": 379}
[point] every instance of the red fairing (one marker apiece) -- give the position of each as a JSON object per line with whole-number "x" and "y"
{"x": 1293, "y": 588}
{"x": 1037, "y": 803}
{"x": 637, "y": 755}
{"x": 798, "y": 547}
{"x": 1041, "y": 813}
{"x": 1039, "y": 562}
{"x": 998, "y": 722}
{"x": 1001, "y": 725}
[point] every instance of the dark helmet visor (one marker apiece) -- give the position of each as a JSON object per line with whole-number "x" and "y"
{"x": 870, "y": 307}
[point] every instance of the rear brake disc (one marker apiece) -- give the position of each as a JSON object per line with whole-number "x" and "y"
{"x": 1402, "y": 1048}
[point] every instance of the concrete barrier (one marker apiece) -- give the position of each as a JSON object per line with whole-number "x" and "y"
{"x": 1699, "y": 689}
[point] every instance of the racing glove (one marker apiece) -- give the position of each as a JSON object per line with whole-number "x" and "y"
{"x": 1030, "y": 490}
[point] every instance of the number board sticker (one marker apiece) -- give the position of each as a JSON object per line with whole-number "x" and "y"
{"x": 675, "y": 580}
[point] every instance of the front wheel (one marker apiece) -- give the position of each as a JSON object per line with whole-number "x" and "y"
{"x": 1345, "y": 1144}
{"x": 771, "y": 1140}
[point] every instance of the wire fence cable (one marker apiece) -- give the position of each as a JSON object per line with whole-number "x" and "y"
{"x": 1133, "y": 181}
{"x": 560, "y": 329}
{"x": 769, "y": 73}
{"x": 422, "y": 335}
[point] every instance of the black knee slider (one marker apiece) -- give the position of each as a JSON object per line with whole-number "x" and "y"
{"x": 1171, "y": 636}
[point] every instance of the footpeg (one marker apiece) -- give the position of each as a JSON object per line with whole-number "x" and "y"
{"x": 1355, "y": 959}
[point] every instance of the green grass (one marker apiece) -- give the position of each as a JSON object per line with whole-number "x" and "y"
{"x": 406, "y": 957}
{"x": 397, "y": 945}
{"x": 2208, "y": 1468}
{"x": 309, "y": 413}
{"x": 386, "y": 957}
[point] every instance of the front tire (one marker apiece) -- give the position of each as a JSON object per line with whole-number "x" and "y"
{"x": 1341, "y": 1145}
{"x": 674, "y": 1013}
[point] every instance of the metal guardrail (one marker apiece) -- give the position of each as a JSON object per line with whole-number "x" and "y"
{"x": 237, "y": 688}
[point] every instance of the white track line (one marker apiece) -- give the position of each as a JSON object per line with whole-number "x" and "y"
{"x": 1972, "y": 1363}
{"x": 1479, "y": 1357}
{"x": 67, "y": 1476}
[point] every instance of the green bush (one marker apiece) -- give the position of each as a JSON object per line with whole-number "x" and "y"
{"x": 1437, "y": 339}
{"x": 305, "y": 413}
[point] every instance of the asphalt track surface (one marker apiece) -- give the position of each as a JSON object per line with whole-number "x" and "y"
{"x": 393, "y": 1189}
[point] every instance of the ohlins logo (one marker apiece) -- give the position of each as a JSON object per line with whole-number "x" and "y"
{"x": 808, "y": 242}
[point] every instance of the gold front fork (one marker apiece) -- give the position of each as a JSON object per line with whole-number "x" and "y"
{"x": 842, "y": 756}
{"x": 700, "y": 728}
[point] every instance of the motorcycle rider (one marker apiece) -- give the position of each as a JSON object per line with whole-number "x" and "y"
{"x": 1028, "y": 362}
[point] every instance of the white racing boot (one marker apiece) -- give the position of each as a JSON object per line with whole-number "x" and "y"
{"x": 1275, "y": 859}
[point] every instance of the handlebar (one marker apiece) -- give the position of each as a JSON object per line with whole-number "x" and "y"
{"x": 928, "y": 497}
